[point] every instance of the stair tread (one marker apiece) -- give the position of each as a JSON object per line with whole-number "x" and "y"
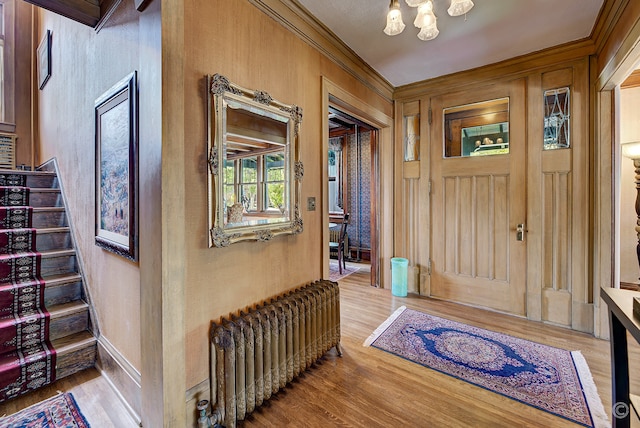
{"x": 57, "y": 229}
{"x": 66, "y": 309}
{"x": 44, "y": 254}
{"x": 57, "y": 253}
{"x": 33, "y": 190}
{"x": 23, "y": 172}
{"x": 44, "y": 209}
{"x": 73, "y": 342}
{"x": 61, "y": 278}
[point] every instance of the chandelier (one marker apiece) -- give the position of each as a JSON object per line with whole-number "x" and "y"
{"x": 426, "y": 20}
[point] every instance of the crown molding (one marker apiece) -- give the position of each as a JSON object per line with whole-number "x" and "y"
{"x": 510, "y": 68}
{"x": 610, "y": 13}
{"x": 292, "y": 15}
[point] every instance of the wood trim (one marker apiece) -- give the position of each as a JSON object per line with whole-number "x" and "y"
{"x": 52, "y": 165}
{"x": 605, "y": 22}
{"x": 201, "y": 391}
{"x": 121, "y": 375}
{"x": 10, "y": 16}
{"x": 622, "y": 62}
{"x": 82, "y": 11}
{"x": 299, "y": 21}
{"x": 107, "y": 8}
{"x": 633, "y": 81}
{"x": 505, "y": 70}
{"x": 336, "y": 96}
{"x": 629, "y": 286}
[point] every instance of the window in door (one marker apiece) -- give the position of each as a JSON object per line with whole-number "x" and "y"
{"x": 478, "y": 129}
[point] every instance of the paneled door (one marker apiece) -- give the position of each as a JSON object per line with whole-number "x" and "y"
{"x": 478, "y": 197}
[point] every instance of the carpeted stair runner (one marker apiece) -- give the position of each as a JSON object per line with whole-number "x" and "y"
{"x": 14, "y": 196}
{"x": 15, "y": 217}
{"x": 27, "y": 358}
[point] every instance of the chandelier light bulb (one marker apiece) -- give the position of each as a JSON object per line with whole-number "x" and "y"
{"x": 415, "y": 3}
{"x": 425, "y": 17}
{"x": 459, "y": 7}
{"x": 394, "y": 19}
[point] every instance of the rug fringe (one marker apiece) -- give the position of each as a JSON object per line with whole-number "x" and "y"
{"x": 378, "y": 331}
{"x": 599, "y": 416}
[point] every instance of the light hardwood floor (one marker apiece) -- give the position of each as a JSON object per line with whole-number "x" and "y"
{"x": 367, "y": 387}
{"x": 97, "y": 400}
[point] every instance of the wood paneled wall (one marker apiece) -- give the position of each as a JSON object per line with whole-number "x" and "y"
{"x": 558, "y": 184}
{"x": 239, "y": 41}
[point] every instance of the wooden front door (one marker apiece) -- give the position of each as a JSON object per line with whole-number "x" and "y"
{"x": 478, "y": 198}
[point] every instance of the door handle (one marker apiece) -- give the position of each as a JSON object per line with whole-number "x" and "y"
{"x": 520, "y": 231}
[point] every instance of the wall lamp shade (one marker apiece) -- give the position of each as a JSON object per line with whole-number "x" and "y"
{"x": 394, "y": 19}
{"x": 459, "y": 7}
{"x": 631, "y": 150}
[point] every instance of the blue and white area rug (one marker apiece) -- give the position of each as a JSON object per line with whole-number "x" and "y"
{"x": 541, "y": 376}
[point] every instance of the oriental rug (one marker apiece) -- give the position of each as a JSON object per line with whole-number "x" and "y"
{"x": 548, "y": 378}
{"x": 56, "y": 412}
{"x": 334, "y": 270}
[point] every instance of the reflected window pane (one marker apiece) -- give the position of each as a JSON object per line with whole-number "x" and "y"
{"x": 275, "y": 175}
{"x": 479, "y": 129}
{"x": 249, "y": 197}
{"x": 229, "y": 182}
{"x": 556, "y": 119}
{"x": 249, "y": 170}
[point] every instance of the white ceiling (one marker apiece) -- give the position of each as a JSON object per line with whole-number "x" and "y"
{"x": 494, "y": 30}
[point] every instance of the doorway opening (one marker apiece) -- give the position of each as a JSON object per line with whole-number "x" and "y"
{"x": 352, "y": 189}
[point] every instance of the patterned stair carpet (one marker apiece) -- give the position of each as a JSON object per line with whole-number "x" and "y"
{"x": 548, "y": 378}
{"x": 15, "y": 217}
{"x": 60, "y": 411}
{"x": 27, "y": 358}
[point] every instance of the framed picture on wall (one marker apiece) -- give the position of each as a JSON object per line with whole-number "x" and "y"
{"x": 44, "y": 60}
{"x": 116, "y": 120}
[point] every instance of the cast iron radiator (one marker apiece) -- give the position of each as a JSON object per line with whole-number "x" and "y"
{"x": 257, "y": 352}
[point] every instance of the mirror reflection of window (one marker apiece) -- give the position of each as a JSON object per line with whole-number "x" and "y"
{"x": 248, "y": 185}
{"x": 255, "y": 168}
{"x": 229, "y": 182}
{"x": 479, "y": 129}
{"x": 556, "y": 119}
{"x": 274, "y": 182}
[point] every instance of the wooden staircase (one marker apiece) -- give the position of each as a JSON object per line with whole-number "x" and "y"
{"x": 70, "y": 328}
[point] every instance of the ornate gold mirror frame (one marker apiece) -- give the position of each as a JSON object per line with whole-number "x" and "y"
{"x": 255, "y": 170}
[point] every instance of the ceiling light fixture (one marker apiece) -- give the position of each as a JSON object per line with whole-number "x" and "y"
{"x": 426, "y": 20}
{"x": 394, "y": 19}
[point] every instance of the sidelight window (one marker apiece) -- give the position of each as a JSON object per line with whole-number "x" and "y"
{"x": 557, "y": 119}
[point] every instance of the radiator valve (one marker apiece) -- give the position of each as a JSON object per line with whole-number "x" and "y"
{"x": 205, "y": 420}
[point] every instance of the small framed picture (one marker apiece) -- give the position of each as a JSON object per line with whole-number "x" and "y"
{"x": 44, "y": 60}
{"x": 116, "y": 117}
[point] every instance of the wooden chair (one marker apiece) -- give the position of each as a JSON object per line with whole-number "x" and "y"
{"x": 339, "y": 245}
